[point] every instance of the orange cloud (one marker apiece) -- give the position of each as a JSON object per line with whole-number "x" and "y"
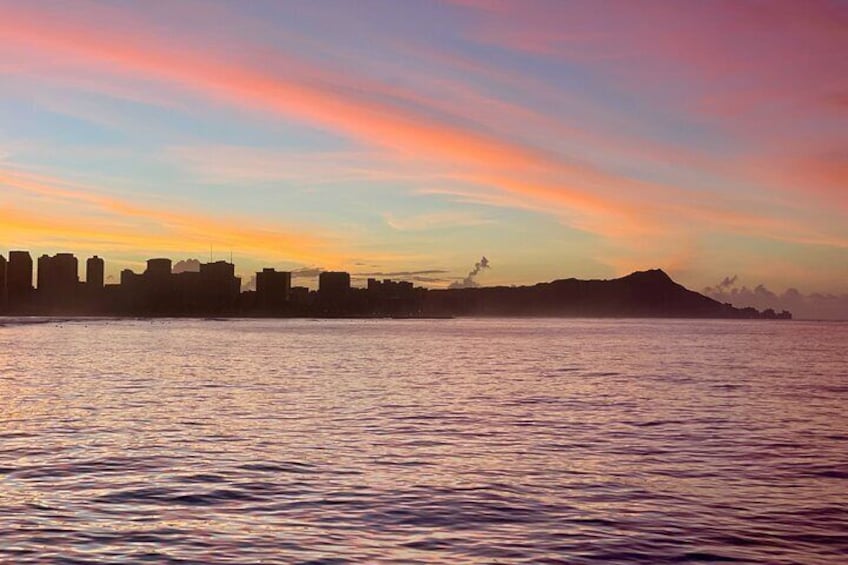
{"x": 824, "y": 175}
{"x": 382, "y": 124}
{"x": 587, "y": 197}
{"x": 99, "y": 221}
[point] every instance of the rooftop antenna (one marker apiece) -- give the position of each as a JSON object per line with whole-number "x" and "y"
{"x": 231, "y": 256}
{"x": 210, "y": 252}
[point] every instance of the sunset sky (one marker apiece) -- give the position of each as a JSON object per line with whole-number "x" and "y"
{"x": 558, "y": 139}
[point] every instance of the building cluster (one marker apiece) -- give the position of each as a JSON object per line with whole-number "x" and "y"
{"x": 215, "y": 290}
{"x": 212, "y": 290}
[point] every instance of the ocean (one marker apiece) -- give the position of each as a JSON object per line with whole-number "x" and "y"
{"x": 462, "y": 441}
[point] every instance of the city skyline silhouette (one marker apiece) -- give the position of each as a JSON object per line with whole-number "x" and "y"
{"x": 327, "y": 282}
{"x": 213, "y": 289}
{"x": 565, "y": 139}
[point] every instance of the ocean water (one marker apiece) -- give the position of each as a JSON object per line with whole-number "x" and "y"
{"x": 423, "y": 441}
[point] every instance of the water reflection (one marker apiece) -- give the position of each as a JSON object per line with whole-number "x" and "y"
{"x": 462, "y": 441}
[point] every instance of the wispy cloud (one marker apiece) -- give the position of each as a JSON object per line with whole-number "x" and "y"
{"x": 101, "y": 220}
{"x": 435, "y": 220}
{"x": 238, "y": 164}
{"x": 754, "y": 74}
{"x": 597, "y": 200}
{"x": 403, "y": 273}
{"x": 651, "y": 126}
{"x": 816, "y": 306}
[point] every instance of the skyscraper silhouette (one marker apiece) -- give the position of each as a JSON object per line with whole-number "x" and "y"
{"x": 272, "y": 287}
{"x": 19, "y": 279}
{"x": 58, "y": 279}
{"x": 94, "y": 272}
{"x": 219, "y": 286}
{"x": 58, "y": 274}
{"x": 4, "y": 303}
{"x": 158, "y": 269}
{"x": 333, "y": 285}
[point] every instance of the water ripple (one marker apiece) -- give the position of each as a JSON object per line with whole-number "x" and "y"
{"x": 463, "y": 441}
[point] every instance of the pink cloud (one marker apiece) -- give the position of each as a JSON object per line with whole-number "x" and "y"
{"x": 726, "y": 58}
{"x": 769, "y": 77}
{"x": 94, "y": 217}
{"x": 407, "y": 125}
{"x": 384, "y": 124}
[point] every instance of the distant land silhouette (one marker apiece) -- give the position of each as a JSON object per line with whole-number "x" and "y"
{"x": 212, "y": 289}
{"x": 642, "y": 294}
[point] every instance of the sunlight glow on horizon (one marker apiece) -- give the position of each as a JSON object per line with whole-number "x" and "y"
{"x": 557, "y": 138}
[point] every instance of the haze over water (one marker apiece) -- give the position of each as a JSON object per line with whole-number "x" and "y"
{"x": 423, "y": 441}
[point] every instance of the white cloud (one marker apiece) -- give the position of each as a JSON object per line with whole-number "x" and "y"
{"x": 814, "y": 306}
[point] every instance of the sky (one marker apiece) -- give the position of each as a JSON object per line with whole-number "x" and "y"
{"x": 558, "y": 139}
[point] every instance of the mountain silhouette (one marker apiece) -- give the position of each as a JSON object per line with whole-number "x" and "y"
{"x": 213, "y": 289}
{"x": 649, "y": 293}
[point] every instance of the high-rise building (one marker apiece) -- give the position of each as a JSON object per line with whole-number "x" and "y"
{"x": 219, "y": 285}
{"x": 158, "y": 292}
{"x": 299, "y": 295}
{"x": 19, "y": 278}
{"x": 43, "y": 274}
{"x": 272, "y": 287}
{"x": 159, "y": 269}
{"x": 3, "y": 297}
{"x": 389, "y": 289}
{"x": 58, "y": 279}
{"x": 334, "y": 290}
{"x": 129, "y": 279}
{"x": 94, "y": 272}
{"x": 334, "y": 284}
{"x": 60, "y": 272}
